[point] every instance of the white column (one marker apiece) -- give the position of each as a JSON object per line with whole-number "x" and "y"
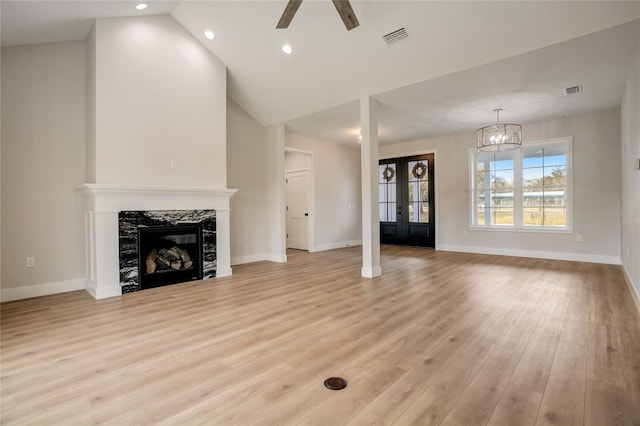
{"x": 370, "y": 210}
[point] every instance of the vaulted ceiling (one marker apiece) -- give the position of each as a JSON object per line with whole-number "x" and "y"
{"x": 460, "y": 61}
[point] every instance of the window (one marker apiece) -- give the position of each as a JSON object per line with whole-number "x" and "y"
{"x": 526, "y": 188}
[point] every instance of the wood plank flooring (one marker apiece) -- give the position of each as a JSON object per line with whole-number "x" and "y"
{"x": 441, "y": 338}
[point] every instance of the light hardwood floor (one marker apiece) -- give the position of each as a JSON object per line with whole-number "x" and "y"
{"x": 441, "y": 338}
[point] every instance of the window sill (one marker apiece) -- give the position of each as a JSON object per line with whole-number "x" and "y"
{"x": 524, "y": 230}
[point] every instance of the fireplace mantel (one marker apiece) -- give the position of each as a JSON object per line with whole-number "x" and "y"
{"x": 102, "y": 203}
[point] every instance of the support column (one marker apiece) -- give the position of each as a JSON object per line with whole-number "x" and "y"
{"x": 369, "y": 166}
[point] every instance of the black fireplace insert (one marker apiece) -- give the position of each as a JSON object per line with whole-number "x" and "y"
{"x": 169, "y": 254}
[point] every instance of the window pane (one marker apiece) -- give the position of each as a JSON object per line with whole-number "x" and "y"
{"x": 483, "y": 180}
{"x": 555, "y": 160}
{"x": 424, "y": 214}
{"x": 502, "y": 216}
{"x": 387, "y": 173}
{"x": 532, "y": 197}
{"x": 506, "y": 164}
{"x": 532, "y": 216}
{"x": 391, "y": 212}
{"x": 424, "y": 191}
{"x": 480, "y": 217}
{"x": 418, "y": 213}
{"x": 418, "y": 170}
{"x": 383, "y": 212}
{"x": 382, "y": 192}
{"x": 502, "y": 179}
{"x": 532, "y": 177}
{"x": 555, "y": 216}
{"x": 555, "y": 176}
{"x": 501, "y": 198}
{"x": 554, "y": 196}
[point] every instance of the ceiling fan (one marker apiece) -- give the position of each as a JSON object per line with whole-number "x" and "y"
{"x": 342, "y": 6}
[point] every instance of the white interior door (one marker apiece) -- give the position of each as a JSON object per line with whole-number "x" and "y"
{"x": 298, "y": 210}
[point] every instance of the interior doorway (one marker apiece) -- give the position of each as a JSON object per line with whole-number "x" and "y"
{"x": 407, "y": 201}
{"x": 299, "y": 218}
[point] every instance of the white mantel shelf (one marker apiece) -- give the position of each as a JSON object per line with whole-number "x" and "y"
{"x": 103, "y": 202}
{"x": 97, "y": 188}
{"x": 109, "y": 197}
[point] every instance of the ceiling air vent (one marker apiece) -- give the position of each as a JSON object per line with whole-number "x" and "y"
{"x": 395, "y": 36}
{"x": 573, "y": 90}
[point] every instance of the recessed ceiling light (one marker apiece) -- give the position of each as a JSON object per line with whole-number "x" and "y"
{"x": 141, "y": 6}
{"x": 287, "y": 49}
{"x": 209, "y": 34}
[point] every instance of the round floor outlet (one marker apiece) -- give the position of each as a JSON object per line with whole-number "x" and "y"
{"x": 335, "y": 383}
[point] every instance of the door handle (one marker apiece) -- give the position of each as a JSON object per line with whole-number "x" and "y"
{"x": 306, "y": 214}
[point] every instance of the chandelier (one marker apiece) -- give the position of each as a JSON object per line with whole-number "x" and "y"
{"x": 499, "y": 137}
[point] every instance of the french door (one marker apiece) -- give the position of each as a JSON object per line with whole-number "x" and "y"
{"x": 407, "y": 202}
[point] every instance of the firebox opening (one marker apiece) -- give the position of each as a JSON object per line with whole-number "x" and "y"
{"x": 169, "y": 255}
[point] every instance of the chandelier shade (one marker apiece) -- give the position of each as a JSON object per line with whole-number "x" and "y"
{"x": 499, "y": 137}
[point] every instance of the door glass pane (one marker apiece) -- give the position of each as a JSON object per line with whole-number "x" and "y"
{"x": 391, "y": 212}
{"x": 418, "y": 191}
{"x": 387, "y": 192}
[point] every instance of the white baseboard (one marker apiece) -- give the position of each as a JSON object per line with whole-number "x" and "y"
{"x": 635, "y": 295}
{"x": 102, "y": 293}
{"x": 333, "y": 246}
{"x": 260, "y": 257}
{"x": 277, "y": 258}
{"x": 44, "y": 289}
{"x": 536, "y": 254}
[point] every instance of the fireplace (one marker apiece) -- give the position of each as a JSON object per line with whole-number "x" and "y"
{"x": 162, "y": 247}
{"x": 169, "y": 255}
{"x": 113, "y": 214}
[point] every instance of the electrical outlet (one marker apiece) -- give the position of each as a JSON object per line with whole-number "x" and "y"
{"x": 579, "y": 238}
{"x": 31, "y": 262}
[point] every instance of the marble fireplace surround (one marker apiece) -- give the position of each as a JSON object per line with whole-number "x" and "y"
{"x": 103, "y": 202}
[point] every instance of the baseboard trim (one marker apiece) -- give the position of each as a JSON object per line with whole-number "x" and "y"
{"x": 632, "y": 288}
{"x": 44, "y": 289}
{"x": 536, "y": 254}
{"x": 260, "y": 257}
{"x": 337, "y": 245}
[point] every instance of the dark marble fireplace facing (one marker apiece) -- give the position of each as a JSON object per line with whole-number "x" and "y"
{"x": 132, "y": 263}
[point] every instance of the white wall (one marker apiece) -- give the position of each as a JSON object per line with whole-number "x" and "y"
{"x": 596, "y": 164}
{"x": 296, "y": 161}
{"x": 276, "y": 193}
{"x": 246, "y": 171}
{"x": 160, "y": 95}
{"x": 43, "y": 161}
{"x": 630, "y": 211}
{"x": 337, "y": 186}
{"x": 90, "y": 107}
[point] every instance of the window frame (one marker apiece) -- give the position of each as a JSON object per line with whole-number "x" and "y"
{"x": 518, "y": 208}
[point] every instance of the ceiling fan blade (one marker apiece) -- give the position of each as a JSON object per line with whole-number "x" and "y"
{"x": 346, "y": 13}
{"x": 289, "y": 12}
